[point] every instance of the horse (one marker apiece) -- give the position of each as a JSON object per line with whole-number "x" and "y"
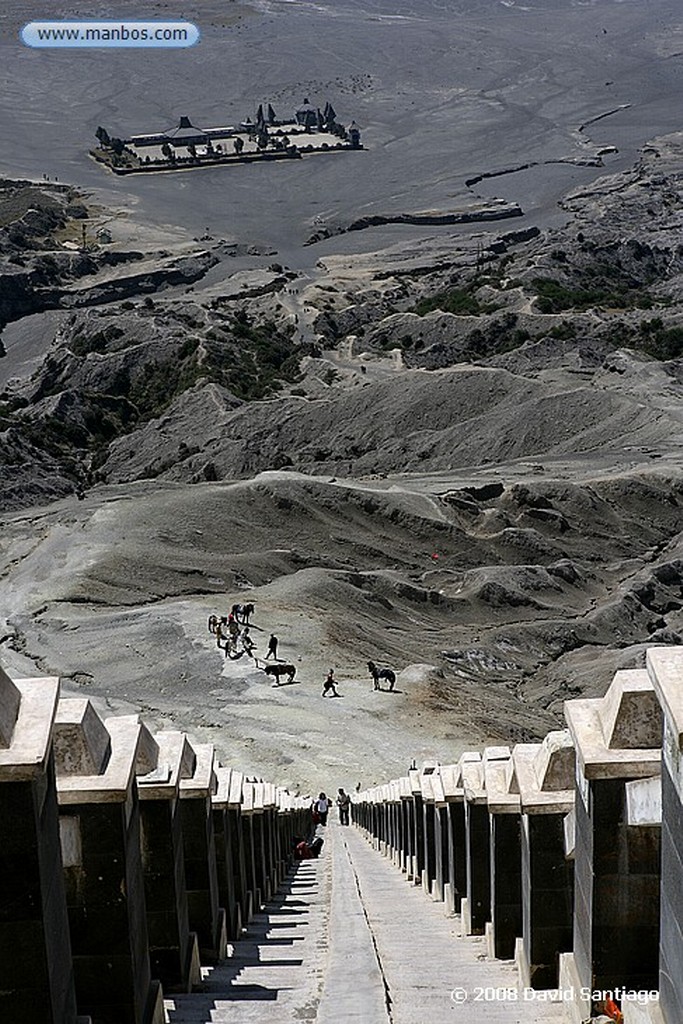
{"x": 246, "y": 611}
{"x": 242, "y": 613}
{"x": 281, "y": 670}
{"x": 381, "y": 673}
{"x": 213, "y": 622}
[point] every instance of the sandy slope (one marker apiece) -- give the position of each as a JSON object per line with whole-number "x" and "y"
{"x": 114, "y": 594}
{"x": 551, "y": 496}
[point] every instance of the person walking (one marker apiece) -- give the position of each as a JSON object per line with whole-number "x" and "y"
{"x": 220, "y": 634}
{"x": 343, "y": 806}
{"x": 272, "y": 647}
{"x": 321, "y": 808}
{"x": 248, "y": 644}
{"x": 329, "y": 688}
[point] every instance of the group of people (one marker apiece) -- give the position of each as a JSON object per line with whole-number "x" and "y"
{"x": 232, "y": 632}
{"x": 304, "y": 849}
{"x": 320, "y": 808}
{"x": 233, "y": 635}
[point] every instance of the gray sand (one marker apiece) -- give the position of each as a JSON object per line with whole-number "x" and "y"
{"x": 114, "y": 592}
{"x": 443, "y": 91}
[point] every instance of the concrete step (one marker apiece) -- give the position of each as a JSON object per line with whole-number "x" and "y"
{"x": 350, "y": 941}
{"x": 430, "y": 971}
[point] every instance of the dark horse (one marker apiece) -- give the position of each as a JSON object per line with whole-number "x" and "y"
{"x": 381, "y": 673}
{"x": 243, "y": 612}
{"x": 281, "y": 670}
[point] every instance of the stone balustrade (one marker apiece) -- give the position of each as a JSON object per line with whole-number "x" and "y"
{"x": 130, "y": 858}
{"x": 544, "y": 777}
{"x": 99, "y": 823}
{"x": 174, "y": 949}
{"x": 552, "y": 849}
{"x": 36, "y": 966}
{"x": 127, "y": 860}
{"x": 504, "y": 807}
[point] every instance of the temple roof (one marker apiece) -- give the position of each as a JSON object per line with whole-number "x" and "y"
{"x": 184, "y": 130}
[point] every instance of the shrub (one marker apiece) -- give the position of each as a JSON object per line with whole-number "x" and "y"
{"x": 459, "y": 301}
{"x": 554, "y": 297}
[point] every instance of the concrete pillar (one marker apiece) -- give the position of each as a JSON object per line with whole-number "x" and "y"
{"x": 441, "y": 832}
{"x": 617, "y": 861}
{"x": 383, "y": 819}
{"x": 243, "y": 892}
{"x": 207, "y": 918}
{"x": 457, "y": 852}
{"x": 272, "y": 858}
{"x": 418, "y": 827}
{"x": 369, "y": 806}
{"x": 274, "y": 815}
{"x": 503, "y": 802}
{"x": 99, "y": 821}
{"x": 404, "y": 828}
{"x": 225, "y": 842}
{"x": 396, "y": 841}
{"x": 285, "y": 830}
{"x": 439, "y": 814}
{"x": 665, "y": 668}
{"x": 173, "y": 948}
{"x": 247, "y": 816}
{"x": 429, "y": 847}
{"x": 259, "y": 825}
{"x": 455, "y": 890}
{"x": 282, "y": 821}
{"x": 545, "y": 780}
{"x": 36, "y": 973}
{"x": 476, "y": 907}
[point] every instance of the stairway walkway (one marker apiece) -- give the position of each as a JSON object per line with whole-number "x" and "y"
{"x": 349, "y": 941}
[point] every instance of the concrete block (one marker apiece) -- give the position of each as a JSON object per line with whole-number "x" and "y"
{"x": 449, "y": 900}
{"x": 576, "y": 1009}
{"x": 81, "y": 741}
{"x": 195, "y": 970}
{"x": 30, "y": 742}
{"x": 644, "y": 801}
{"x": 631, "y": 714}
{"x": 466, "y": 917}
{"x": 618, "y": 735}
{"x": 10, "y": 699}
{"x": 489, "y": 941}
{"x": 554, "y": 765}
{"x": 222, "y": 950}
{"x": 643, "y": 1013}
{"x": 156, "y": 1014}
{"x": 522, "y": 965}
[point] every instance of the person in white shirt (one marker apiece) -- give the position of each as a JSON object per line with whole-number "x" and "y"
{"x": 321, "y": 808}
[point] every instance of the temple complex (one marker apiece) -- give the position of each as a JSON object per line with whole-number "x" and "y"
{"x": 186, "y": 145}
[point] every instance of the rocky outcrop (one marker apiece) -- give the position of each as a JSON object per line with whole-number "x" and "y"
{"x": 497, "y": 210}
{"x": 576, "y": 336}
